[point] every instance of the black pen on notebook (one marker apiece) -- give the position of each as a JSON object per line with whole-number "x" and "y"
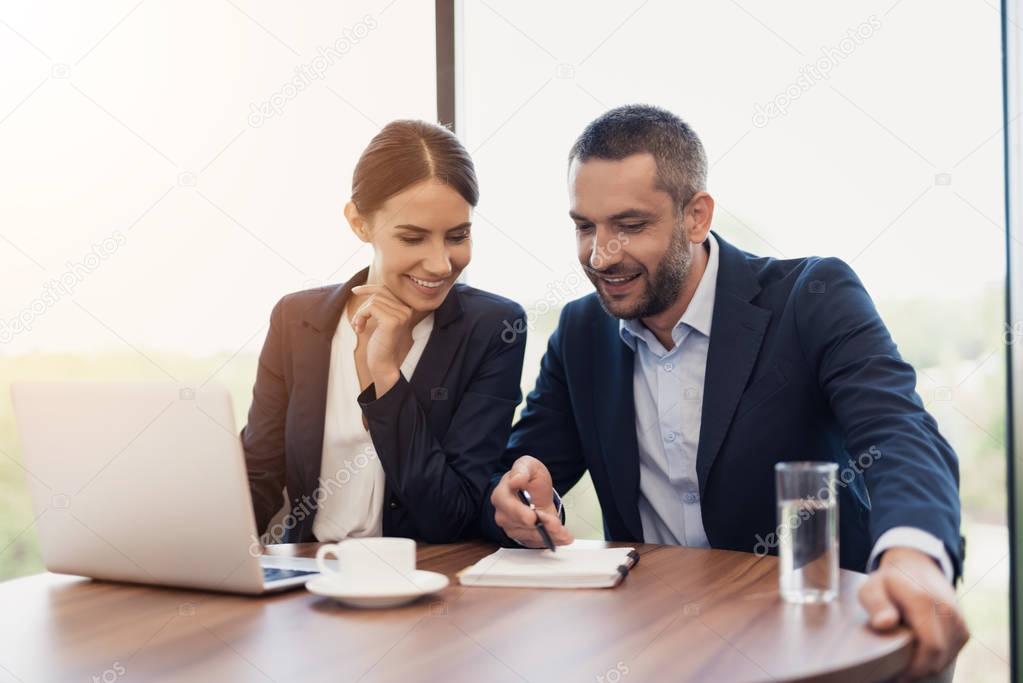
{"x": 528, "y": 500}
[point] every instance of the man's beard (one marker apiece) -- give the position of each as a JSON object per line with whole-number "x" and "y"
{"x": 660, "y": 292}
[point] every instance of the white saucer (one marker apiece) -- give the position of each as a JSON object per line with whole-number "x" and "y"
{"x": 370, "y": 594}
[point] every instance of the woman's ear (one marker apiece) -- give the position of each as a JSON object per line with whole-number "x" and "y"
{"x": 357, "y": 222}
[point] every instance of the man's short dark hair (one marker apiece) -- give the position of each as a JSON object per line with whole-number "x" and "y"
{"x": 637, "y": 128}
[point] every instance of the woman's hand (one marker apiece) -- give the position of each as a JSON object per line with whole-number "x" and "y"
{"x": 389, "y": 322}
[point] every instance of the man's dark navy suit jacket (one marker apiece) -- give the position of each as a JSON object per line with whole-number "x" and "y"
{"x": 800, "y": 367}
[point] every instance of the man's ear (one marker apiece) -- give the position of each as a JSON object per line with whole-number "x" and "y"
{"x": 357, "y": 222}
{"x": 700, "y": 212}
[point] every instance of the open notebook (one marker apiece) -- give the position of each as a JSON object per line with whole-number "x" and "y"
{"x": 569, "y": 567}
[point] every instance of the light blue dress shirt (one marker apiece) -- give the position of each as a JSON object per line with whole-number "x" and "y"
{"x": 668, "y": 388}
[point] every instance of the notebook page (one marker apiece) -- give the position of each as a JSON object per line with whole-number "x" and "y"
{"x": 568, "y": 567}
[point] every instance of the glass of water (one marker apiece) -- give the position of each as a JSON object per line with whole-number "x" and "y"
{"x": 807, "y": 531}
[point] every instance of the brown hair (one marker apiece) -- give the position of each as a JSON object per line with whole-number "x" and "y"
{"x": 406, "y": 152}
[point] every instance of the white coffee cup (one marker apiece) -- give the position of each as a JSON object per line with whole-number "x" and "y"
{"x": 374, "y": 560}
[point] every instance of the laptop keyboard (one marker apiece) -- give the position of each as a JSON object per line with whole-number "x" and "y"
{"x": 274, "y": 574}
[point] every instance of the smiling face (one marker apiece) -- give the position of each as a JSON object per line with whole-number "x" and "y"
{"x": 633, "y": 245}
{"x": 421, "y": 242}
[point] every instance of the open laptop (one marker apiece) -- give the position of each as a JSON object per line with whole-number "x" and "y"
{"x": 142, "y": 482}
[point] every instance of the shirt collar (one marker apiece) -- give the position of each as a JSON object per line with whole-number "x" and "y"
{"x": 423, "y": 328}
{"x": 698, "y": 315}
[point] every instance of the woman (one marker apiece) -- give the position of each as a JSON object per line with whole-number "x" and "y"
{"x": 384, "y": 404}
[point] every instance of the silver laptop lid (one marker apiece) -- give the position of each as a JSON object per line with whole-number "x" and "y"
{"x": 139, "y": 481}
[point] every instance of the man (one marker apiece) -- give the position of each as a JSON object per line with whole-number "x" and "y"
{"x": 695, "y": 367}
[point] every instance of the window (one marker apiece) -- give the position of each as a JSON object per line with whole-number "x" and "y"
{"x": 866, "y": 131}
{"x": 169, "y": 172}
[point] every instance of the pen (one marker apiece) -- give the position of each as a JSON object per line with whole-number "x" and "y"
{"x": 528, "y": 500}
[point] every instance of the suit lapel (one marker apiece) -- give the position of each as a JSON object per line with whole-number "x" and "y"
{"x": 737, "y": 331}
{"x": 312, "y": 372}
{"x": 614, "y": 412}
{"x": 445, "y": 340}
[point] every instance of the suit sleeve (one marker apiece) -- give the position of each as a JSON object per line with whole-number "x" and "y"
{"x": 442, "y": 483}
{"x": 546, "y": 430}
{"x": 263, "y": 435}
{"x": 912, "y": 473}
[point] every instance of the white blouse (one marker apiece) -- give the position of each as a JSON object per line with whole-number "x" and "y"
{"x": 351, "y": 497}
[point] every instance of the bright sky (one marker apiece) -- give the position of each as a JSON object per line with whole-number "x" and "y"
{"x": 137, "y": 126}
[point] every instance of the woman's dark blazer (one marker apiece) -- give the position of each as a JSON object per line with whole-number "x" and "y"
{"x": 439, "y": 435}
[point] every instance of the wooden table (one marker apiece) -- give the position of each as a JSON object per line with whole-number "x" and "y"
{"x": 681, "y": 615}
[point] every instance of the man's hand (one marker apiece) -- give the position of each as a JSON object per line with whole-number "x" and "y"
{"x": 515, "y": 518}
{"x": 908, "y": 586}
